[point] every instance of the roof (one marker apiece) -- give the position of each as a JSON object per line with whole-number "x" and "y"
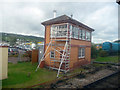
{"x": 66, "y": 19}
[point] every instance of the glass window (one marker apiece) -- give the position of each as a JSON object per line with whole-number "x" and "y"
{"x": 88, "y": 36}
{"x": 59, "y": 30}
{"x": 81, "y": 53}
{"x": 80, "y": 34}
{"x": 83, "y": 34}
{"x": 76, "y": 32}
{"x": 52, "y": 54}
{"x": 73, "y": 32}
{"x": 53, "y": 31}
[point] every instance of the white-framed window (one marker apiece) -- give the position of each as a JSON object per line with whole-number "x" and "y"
{"x": 73, "y": 32}
{"x": 76, "y": 32}
{"x": 80, "y": 34}
{"x": 52, "y": 54}
{"x": 83, "y": 34}
{"x": 53, "y": 32}
{"x": 87, "y": 36}
{"x": 59, "y": 30}
{"x": 81, "y": 52}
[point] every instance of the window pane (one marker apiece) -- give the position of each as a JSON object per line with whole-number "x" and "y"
{"x": 81, "y": 53}
{"x": 59, "y": 30}
{"x": 88, "y": 36}
{"x": 83, "y": 34}
{"x": 73, "y": 31}
{"x": 52, "y": 54}
{"x": 80, "y": 34}
{"x": 76, "y": 32}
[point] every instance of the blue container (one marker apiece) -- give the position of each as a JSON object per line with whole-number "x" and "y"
{"x": 115, "y": 47}
{"x": 106, "y": 46}
{"x": 111, "y": 47}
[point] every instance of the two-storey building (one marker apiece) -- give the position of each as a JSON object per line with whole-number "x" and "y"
{"x": 67, "y": 41}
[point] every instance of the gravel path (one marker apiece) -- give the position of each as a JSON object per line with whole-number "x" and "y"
{"x": 79, "y": 83}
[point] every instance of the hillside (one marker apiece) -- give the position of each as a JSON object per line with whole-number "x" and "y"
{"x": 10, "y": 37}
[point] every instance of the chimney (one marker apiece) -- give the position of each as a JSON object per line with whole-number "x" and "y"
{"x": 71, "y": 15}
{"x": 54, "y": 12}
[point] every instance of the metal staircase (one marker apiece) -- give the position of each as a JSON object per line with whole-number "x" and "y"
{"x": 61, "y": 63}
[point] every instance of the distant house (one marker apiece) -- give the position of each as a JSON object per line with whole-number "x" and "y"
{"x": 67, "y": 43}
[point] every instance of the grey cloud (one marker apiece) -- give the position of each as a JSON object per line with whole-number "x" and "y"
{"x": 26, "y": 17}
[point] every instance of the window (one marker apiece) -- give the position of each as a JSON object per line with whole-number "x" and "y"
{"x": 88, "y": 36}
{"x": 83, "y": 34}
{"x": 53, "y": 31}
{"x": 81, "y": 53}
{"x": 59, "y": 30}
{"x": 80, "y": 34}
{"x": 52, "y": 54}
{"x": 73, "y": 32}
{"x": 76, "y": 32}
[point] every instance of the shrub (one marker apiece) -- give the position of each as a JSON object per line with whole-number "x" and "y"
{"x": 103, "y": 53}
{"x": 93, "y": 51}
{"x": 25, "y": 55}
{"x": 15, "y": 55}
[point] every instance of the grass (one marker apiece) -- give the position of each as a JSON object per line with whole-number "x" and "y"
{"x": 22, "y": 75}
{"x": 77, "y": 70}
{"x": 113, "y": 59}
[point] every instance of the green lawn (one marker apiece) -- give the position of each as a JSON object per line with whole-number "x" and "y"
{"x": 113, "y": 59}
{"x": 22, "y": 75}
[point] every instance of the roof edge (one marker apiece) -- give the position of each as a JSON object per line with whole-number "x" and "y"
{"x": 67, "y": 20}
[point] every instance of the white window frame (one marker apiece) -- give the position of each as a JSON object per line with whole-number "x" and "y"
{"x": 80, "y": 34}
{"x": 83, "y": 37}
{"x": 51, "y": 54}
{"x": 76, "y": 32}
{"x": 80, "y": 51}
{"x": 88, "y": 36}
{"x": 73, "y": 31}
{"x": 58, "y": 28}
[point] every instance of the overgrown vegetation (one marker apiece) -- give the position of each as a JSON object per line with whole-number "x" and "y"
{"x": 15, "y": 55}
{"x": 103, "y": 56}
{"x": 94, "y": 51}
{"x": 103, "y": 53}
{"x": 113, "y": 59}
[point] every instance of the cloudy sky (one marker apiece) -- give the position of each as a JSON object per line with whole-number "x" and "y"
{"x": 25, "y": 17}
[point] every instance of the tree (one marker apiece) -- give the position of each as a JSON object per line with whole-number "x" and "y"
{"x": 13, "y": 41}
{"x": 94, "y": 52}
{"x": 103, "y": 53}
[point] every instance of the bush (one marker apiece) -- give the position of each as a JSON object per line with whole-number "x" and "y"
{"x": 15, "y": 55}
{"x": 103, "y": 53}
{"x": 93, "y": 51}
{"x": 25, "y": 55}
